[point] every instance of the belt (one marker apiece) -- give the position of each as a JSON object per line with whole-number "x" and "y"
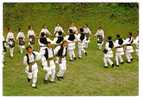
{"x": 50, "y": 58}
{"x": 30, "y": 66}
{"x": 31, "y": 63}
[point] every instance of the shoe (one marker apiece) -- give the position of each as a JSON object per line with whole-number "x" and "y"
{"x": 71, "y": 60}
{"x": 117, "y": 65}
{"x": 112, "y": 65}
{"x": 122, "y": 63}
{"x": 34, "y": 86}
{"x": 132, "y": 59}
{"x": 28, "y": 79}
{"x": 105, "y": 66}
{"x": 74, "y": 58}
{"x": 79, "y": 57}
{"x": 58, "y": 77}
{"x": 45, "y": 81}
{"x": 52, "y": 81}
{"x": 85, "y": 53}
{"x": 128, "y": 62}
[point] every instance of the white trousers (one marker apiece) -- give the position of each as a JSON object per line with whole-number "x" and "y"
{"x": 62, "y": 68}
{"x": 100, "y": 45}
{"x": 107, "y": 61}
{"x": 129, "y": 56}
{"x": 71, "y": 53}
{"x": 32, "y": 75}
{"x": 86, "y": 45}
{"x": 22, "y": 47}
{"x": 11, "y": 50}
{"x": 118, "y": 59}
{"x": 50, "y": 70}
{"x": 80, "y": 51}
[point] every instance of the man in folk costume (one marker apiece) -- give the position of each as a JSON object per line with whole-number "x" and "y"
{"x": 4, "y": 45}
{"x": 45, "y": 30}
{"x": 128, "y": 48}
{"x": 21, "y": 40}
{"x": 11, "y": 42}
{"x": 87, "y": 33}
{"x": 108, "y": 53}
{"x": 71, "y": 39}
{"x": 136, "y": 42}
{"x": 58, "y": 29}
{"x": 49, "y": 64}
{"x": 59, "y": 39}
{"x": 100, "y": 37}
{"x": 31, "y": 66}
{"x": 31, "y": 35}
{"x": 61, "y": 52}
{"x": 43, "y": 41}
{"x": 73, "y": 28}
{"x": 81, "y": 39}
{"x": 119, "y": 50}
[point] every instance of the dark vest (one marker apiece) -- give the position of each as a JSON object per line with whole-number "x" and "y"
{"x": 43, "y": 40}
{"x": 82, "y": 36}
{"x": 71, "y": 37}
{"x": 47, "y": 53}
{"x": 60, "y": 39}
{"x": 28, "y": 57}
{"x": 60, "y": 52}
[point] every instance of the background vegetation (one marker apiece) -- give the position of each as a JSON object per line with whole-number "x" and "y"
{"x": 83, "y": 77}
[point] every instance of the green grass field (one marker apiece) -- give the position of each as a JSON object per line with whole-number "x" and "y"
{"x": 84, "y": 77}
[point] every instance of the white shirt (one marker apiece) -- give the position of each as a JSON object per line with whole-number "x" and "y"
{"x": 116, "y": 44}
{"x": 45, "y": 30}
{"x": 67, "y": 36}
{"x": 31, "y": 57}
{"x": 58, "y": 48}
{"x": 58, "y": 28}
{"x": 20, "y": 34}
{"x": 100, "y": 32}
{"x": 74, "y": 28}
{"x": 10, "y": 35}
{"x": 78, "y": 38}
{"x": 87, "y": 30}
{"x": 128, "y": 41}
{"x": 136, "y": 41}
{"x": 30, "y": 32}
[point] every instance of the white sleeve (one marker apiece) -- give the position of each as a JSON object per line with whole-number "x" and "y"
{"x": 7, "y": 37}
{"x": 25, "y": 60}
{"x": 17, "y": 36}
{"x": 56, "y": 50}
{"x": 28, "y": 34}
{"x": 55, "y": 30}
{"x": 62, "y": 30}
{"x": 23, "y": 35}
{"x": 103, "y": 34}
{"x": 48, "y": 32}
{"x": 38, "y": 57}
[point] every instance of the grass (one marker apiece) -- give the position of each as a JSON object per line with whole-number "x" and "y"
{"x": 85, "y": 77}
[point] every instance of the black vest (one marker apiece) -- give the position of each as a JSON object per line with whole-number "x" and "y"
{"x": 71, "y": 37}
{"x": 28, "y": 57}
{"x": 47, "y": 53}
{"x": 43, "y": 40}
{"x": 82, "y": 36}
{"x": 60, "y": 52}
{"x": 60, "y": 39}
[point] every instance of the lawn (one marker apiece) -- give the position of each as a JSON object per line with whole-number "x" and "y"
{"x": 86, "y": 76}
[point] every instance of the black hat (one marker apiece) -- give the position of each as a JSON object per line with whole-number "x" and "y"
{"x": 109, "y": 38}
{"x": 81, "y": 30}
{"x": 28, "y": 47}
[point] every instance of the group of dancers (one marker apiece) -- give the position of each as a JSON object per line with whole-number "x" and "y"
{"x": 53, "y": 52}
